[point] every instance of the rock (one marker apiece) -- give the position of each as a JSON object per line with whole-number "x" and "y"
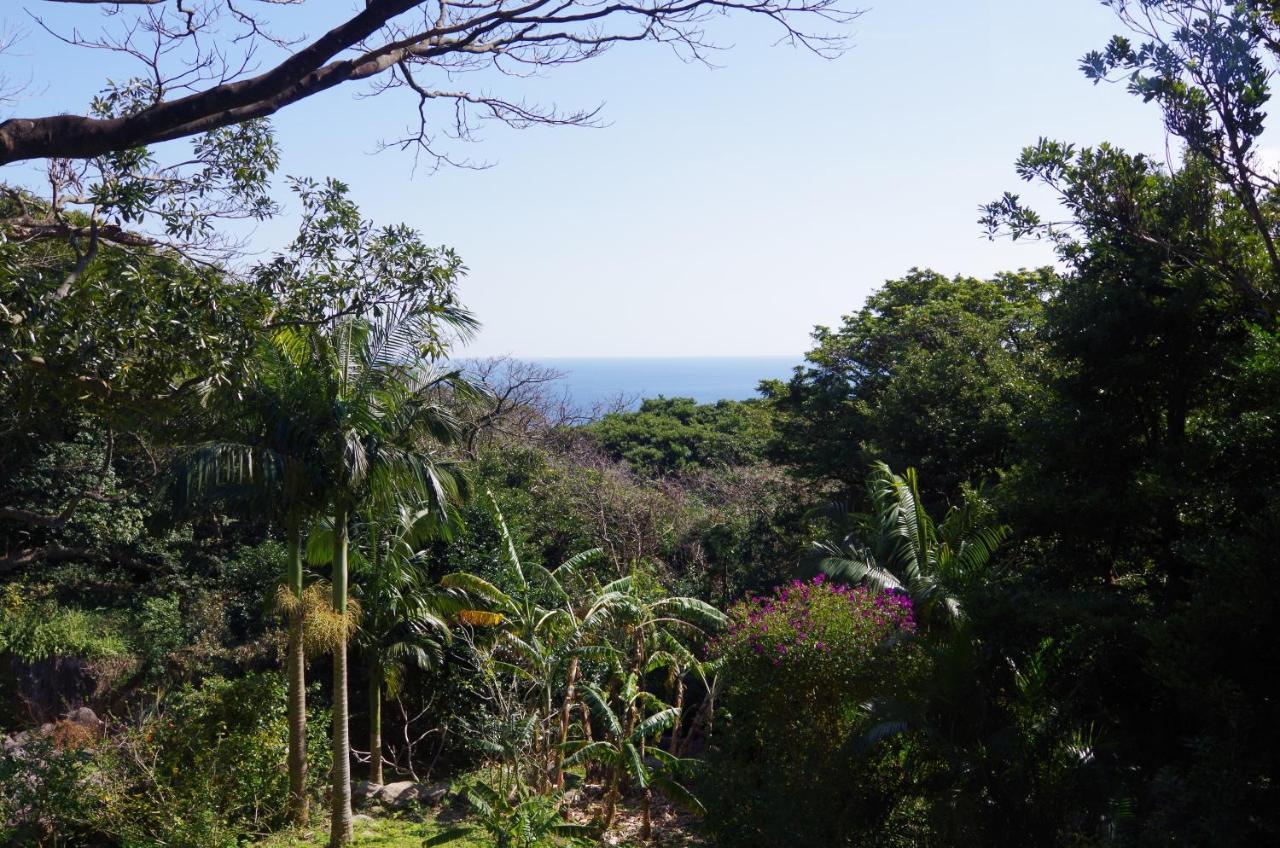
{"x": 85, "y": 717}
{"x": 406, "y": 792}
{"x": 361, "y": 818}
{"x": 363, "y": 790}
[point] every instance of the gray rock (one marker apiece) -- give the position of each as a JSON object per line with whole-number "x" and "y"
{"x": 85, "y": 717}
{"x": 405, "y": 792}
{"x": 361, "y": 817}
{"x": 363, "y": 790}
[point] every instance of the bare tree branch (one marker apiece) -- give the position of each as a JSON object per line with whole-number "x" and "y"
{"x": 198, "y": 73}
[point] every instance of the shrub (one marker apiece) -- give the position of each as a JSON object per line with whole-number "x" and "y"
{"x": 205, "y": 771}
{"x": 797, "y": 764}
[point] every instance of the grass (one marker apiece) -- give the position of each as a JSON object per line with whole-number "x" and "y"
{"x": 376, "y": 833}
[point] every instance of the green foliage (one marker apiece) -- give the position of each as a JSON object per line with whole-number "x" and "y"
{"x": 206, "y": 770}
{"x": 933, "y": 373}
{"x": 37, "y": 628}
{"x": 667, "y": 435}
{"x": 42, "y": 797}
{"x": 899, "y": 546}
{"x": 526, "y": 821}
{"x": 794, "y": 765}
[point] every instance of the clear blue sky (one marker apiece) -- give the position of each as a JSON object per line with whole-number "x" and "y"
{"x": 720, "y": 212}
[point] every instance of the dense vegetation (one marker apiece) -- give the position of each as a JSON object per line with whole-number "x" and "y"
{"x": 994, "y": 567}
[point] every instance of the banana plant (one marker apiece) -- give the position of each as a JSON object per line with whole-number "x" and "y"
{"x": 522, "y": 821}
{"x": 543, "y": 643}
{"x": 630, "y": 733}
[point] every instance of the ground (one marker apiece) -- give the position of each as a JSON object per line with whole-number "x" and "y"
{"x": 390, "y": 832}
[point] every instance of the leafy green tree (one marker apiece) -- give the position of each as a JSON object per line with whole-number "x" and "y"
{"x": 934, "y": 373}
{"x": 667, "y": 435}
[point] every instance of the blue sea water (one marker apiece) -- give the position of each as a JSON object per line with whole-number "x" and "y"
{"x": 706, "y": 379}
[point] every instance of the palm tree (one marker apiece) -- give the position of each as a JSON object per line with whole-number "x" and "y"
{"x": 269, "y": 463}
{"x": 405, "y": 618}
{"x": 389, "y": 419}
{"x": 898, "y": 546}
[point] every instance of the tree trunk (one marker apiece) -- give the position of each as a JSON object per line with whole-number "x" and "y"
{"x": 674, "y": 747}
{"x": 611, "y": 800}
{"x": 340, "y": 828}
{"x": 299, "y": 805}
{"x": 564, "y": 721}
{"x": 375, "y": 723}
{"x": 646, "y": 812}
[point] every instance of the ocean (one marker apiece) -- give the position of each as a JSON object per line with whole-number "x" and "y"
{"x": 706, "y": 379}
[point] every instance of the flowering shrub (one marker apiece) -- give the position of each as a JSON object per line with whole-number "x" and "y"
{"x": 816, "y": 622}
{"x": 791, "y": 768}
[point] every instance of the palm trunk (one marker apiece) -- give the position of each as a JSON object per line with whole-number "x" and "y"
{"x": 340, "y": 828}
{"x": 375, "y": 723}
{"x": 564, "y": 721}
{"x": 299, "y": 807}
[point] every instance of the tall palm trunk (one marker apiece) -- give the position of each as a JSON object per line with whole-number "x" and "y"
{"x": 564, "y": 721}
{"x": 299, "y": 806}
{"x": 340, "y": 828}
{"x": 375, "y": 722}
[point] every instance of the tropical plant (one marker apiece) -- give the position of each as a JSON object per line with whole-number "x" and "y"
{"x": 390, "y": 417}
{"x": 544, "y": 636}
{"x": 897, "y": 545}
{"x": 268, "y": 462}
{"x": 405, "y": 619}
{"x": 631, "y": 733}
{"x": 520, "y": 821}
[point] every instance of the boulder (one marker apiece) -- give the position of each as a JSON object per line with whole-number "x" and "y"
{"x": 405, "y": 792}
{"x": 363, "y": 790}
{"x": 16, "y": 741}
{"x": 85, "y": 717}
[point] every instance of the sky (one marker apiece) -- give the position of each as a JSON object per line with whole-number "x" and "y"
{"x": 719, "y": 212}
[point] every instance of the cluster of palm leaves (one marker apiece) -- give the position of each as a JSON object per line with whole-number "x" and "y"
{"x": 343, "y": 429}
{"x": 582, "y": 668}
{"x": 897, "y": 545}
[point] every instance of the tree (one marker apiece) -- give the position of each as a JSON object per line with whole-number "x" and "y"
{"x": 197, "y": 74}
{"x": 1206, "y": 65}
{"x": 934, "y": 373}
{"x": 269, "y": 461}
{"x": 668, "y": 435}
{"x": 388, "y": 423}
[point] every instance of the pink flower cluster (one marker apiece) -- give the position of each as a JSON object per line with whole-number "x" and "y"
{"x": 815, "y": 618}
